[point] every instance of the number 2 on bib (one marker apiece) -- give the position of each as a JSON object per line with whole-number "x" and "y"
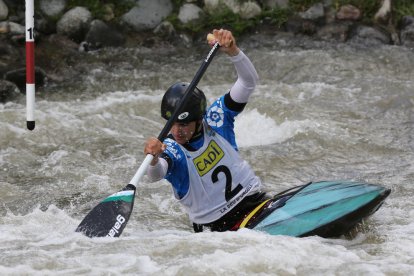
{"x": 229, "y": 193}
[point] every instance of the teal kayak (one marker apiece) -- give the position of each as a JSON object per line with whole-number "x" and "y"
{"x": 326, "y": 209}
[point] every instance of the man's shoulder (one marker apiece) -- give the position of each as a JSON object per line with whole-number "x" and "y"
{"x": 215, "y": 113}
{"x": 218, "y": 113}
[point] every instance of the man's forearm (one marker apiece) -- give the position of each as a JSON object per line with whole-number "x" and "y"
{"x": 158, "y": 171}
{"x": 247, "y": 78}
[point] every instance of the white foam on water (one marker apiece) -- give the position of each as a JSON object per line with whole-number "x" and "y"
{"x": 84, "y": 150}
{"x": 255, "y": 129}
{"x": 44, "y": 243}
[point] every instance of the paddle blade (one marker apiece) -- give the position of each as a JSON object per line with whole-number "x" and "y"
{"x": 109, "y": 218}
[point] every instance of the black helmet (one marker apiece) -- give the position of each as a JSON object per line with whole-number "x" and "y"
{"x": 192, "y": 111}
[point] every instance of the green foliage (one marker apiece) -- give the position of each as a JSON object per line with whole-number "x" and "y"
{"x": 276, "y": 16}
{"x": 302, "y": 5}
{"x": 224, "y": 18}
{"x": 177, "y": 4}
{"x": 402, "y": 8}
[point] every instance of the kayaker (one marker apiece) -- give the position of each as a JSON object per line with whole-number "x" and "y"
{"x": 200, "y": 156}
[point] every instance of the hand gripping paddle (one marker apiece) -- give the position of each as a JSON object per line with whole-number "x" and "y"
{"x": 109, "y": 217}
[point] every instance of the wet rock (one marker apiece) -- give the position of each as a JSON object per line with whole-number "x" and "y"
{"x": 57, "y": 55}
{"x": 348, "y": 12}
{"x": 330, "y": 15}
{"x": 334, "y": 31}
{"x": 14, "y": 4}
{"x": 190, "y": 13}
{"x": 185, "y": 40}
{"x": 4, "y": 27}
{"x": 147, "y": 14}
{"x": 165, "y": 30}
{"x": 407, "y": 21}
{"x": 294, "y": 25}
{"x": 108, "y": 10}
{"x": 298, "y": 25}
{"x": 18, "y": 77}
{"x": 283, "y": 4}
{"x": 315, "y": 12}
{"x": 45, "y": 21}
{"x": 52, "y": 8}
{"x": 249, "y": 10}
{"x": 4, "y": 10}
{"x": 246, "y": 10}
{"x": 11, "y": 28}
{"x": 214, "y": 6}
{"x": 74, "y": 24}
{"x": 8, "y": 91}
{"x": 102, "y": 35}
{"x": 370, "y": 36}
{"x": 407, "y": 32}
{"x": 10, "y": 55}
{"x": 45, "y": 26}
{"x": 58, "y": 43}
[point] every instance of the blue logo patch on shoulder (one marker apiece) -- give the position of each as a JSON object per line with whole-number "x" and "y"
{"x": 215, "y": 116}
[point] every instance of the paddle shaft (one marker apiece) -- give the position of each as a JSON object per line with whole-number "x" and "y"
{"x": 164, "y": 132}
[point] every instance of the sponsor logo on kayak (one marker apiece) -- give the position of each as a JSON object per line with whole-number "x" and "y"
{"x": 118, "y": 224}
{"x": 273, "y": 203}
{"x": 208, "y": 159}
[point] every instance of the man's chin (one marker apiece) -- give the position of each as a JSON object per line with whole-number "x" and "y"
{"x": 180, "y": 141}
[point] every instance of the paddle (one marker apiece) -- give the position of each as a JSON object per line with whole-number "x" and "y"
{"x": 109, "y": 217}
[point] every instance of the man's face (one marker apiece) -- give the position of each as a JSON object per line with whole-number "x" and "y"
{"x": 183, "y": 132}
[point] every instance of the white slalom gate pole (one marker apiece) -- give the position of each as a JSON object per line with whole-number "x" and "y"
{"x": 30, "y": 66}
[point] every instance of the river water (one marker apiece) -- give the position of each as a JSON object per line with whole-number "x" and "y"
{"x": 321, "y": 112}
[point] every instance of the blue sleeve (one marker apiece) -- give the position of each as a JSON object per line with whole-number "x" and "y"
{"x": 177, "y": 173}
{"x": 221, "y": 119}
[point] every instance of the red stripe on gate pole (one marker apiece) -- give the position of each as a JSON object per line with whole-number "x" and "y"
{"x": 30, "y": 72}
{"x": 30, "y": 66}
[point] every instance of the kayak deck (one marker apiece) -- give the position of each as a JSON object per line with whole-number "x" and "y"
{"x": 326, "y": 209}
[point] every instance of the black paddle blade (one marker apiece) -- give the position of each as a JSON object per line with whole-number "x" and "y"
{"x": 109, "y": 218}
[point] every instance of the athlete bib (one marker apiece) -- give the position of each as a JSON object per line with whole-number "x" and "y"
{"x": 219, "y": 179}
